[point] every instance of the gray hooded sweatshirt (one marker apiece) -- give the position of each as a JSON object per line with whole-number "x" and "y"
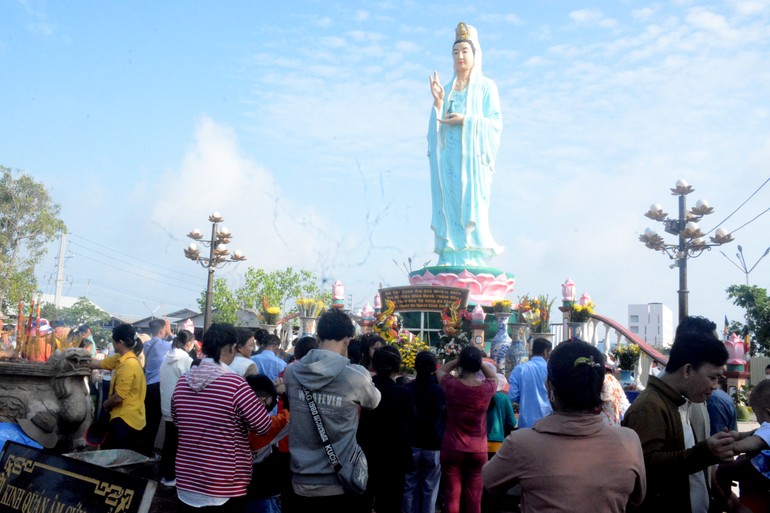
{"x": 339, "y": 390}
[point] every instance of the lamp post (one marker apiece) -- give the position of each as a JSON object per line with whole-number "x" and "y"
{"x": 691, "y": 243}
{"x": 743, "y": 266}
{"x": 219, "y": 255}
{"x": 746, "y": 271}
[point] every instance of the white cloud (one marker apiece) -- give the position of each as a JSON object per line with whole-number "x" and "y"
{"x": 407, "y": 46}
{"x": 750, "y": 7}
{"x": 323, "y": 22}
{"x": 535, "y": 61}
{"x": 333, "y": 42}
{"x": 495, "y": 17}
{"x": 215, "y": 175}
{"x": 586, "y": 15}
{"x": 593, "y": 17}
{"x": 643, "y": 14}
{"x": 711, "y": 21}
{"x": 368, "y": 36}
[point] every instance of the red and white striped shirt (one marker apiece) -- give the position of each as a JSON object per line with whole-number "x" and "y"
{"x": 214, "y": 410}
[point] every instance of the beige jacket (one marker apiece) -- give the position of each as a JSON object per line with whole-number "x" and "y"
{"x": 570, "y": 462}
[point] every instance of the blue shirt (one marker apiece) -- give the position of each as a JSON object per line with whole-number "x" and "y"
{"x": 269, "y": 364}
{"x": 154, "y": 352}
{"x": 721, "y": 411}
{"x": 13, "y": 432}
{"x": 527, "y": 388}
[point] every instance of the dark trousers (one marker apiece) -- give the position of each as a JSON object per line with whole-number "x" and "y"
{"x": 168, "y": 454}
{"x": 121, "y": 436}
{"x": 153, "y": 416}
{"x": 105, "y": 395}
{"x": 385, "y": 489}
{"x": 294, "y": 503}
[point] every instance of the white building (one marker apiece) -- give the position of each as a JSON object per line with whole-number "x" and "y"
{"x": 653, "y": 323}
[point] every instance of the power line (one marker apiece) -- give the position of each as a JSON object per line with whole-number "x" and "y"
{"x": 111, "y": 257}
{"x": 135, "y": 274}
{"x": 143, "y": 299}
{"x": 752, "y": 220}
{"x": 739, "y": 207}
{"x": 113, "y": 250}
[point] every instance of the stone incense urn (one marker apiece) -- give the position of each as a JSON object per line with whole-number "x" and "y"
{"x": 58, "y": 386}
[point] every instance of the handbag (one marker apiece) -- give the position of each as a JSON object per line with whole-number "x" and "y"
{"x": 96, "y": 432}
{"x": 354, "y": 473}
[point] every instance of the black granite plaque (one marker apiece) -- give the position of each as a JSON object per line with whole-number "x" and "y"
{"x": 38, "y": 481}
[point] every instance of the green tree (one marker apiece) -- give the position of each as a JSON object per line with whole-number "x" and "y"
{"x": 223, "y": 303}
{"x": 29, "y": 219}
{"x": 278, "y": 288}
{"x": 83, "y": 311}
{"x": 757, "y": 305}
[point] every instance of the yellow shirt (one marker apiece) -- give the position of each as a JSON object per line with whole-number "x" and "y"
{"x": 129, "y": 383}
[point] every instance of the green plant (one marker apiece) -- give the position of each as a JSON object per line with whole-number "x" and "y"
{"x": 626, "y": 356}
{"x": 581, "y": 313}
{"x": 741, "y": 395}
{"x": 543, "y": 322}
{"x": 502, "y": 305}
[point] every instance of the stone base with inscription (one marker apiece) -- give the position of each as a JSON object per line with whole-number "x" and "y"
{"x": 424, "y": 298}
{"x": 484, "y": 284}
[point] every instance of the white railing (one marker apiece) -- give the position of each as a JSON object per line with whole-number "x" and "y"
{"x": 604, "y": 334}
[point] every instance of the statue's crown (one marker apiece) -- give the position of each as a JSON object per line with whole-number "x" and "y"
{"x": 462, "y": 32}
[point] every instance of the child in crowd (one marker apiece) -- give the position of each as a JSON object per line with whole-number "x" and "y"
{"x": 752, "y": 469}
{"x": 500, "y": 417}
{"x": 264, "y": 493}
{"x": 500, "y": 422}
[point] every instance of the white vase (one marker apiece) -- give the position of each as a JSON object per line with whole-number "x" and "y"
{"x": 271, "y": 328}
{"x": 307, "y": 326}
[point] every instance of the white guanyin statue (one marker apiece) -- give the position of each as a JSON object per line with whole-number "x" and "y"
{"x": 463, "y": 140}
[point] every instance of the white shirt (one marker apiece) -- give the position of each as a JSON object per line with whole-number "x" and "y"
{"x": 699, "y": 493}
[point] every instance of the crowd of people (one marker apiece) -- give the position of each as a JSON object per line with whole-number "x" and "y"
{"x": 334, "y": 425}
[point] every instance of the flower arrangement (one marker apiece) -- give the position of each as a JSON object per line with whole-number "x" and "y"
{"x": 457, "y": 331}
{"x": 581, "y": 313}
{"x": 539, "y": 319}
{"x": 626, "y": 355}
{"x": 526, "y": 306}
{"x": 502, "y": 306}
{"x": 309, "y": 307}
{"x": 409, "y": 345}
{"x": 269, "y": 314}
{"x": 387, "y": 324}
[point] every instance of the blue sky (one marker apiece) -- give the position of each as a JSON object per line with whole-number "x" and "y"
{"x": 304, "y": 124}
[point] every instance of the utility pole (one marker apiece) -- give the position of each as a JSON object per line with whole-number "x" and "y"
{"x": 60, "y": 271}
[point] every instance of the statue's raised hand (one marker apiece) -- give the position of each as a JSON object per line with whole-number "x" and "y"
{"x": 437, "y": 90}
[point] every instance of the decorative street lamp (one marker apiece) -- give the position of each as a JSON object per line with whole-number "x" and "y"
{"x": 691, "y": 242}
{"x": 219, "y": 255}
